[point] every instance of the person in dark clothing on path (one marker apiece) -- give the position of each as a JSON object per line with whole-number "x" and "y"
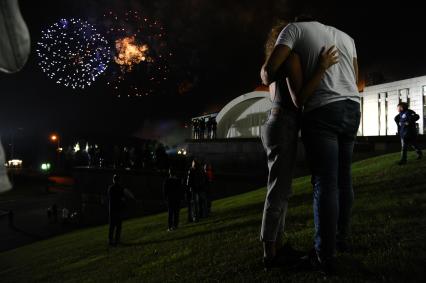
{"x": 406, "y": 122}
{"x": 116, "y": 198}
{"x": 173, "y": 194}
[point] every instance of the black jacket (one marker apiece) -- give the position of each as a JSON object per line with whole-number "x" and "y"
{"x": 406, "y": 122}
{"x": 173, "y": 190}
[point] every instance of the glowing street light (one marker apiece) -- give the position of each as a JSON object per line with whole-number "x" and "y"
{"x": 45, "y": 166}
{"x": 53, "y": 138}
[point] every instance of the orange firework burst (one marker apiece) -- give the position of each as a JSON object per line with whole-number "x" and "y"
{"x": 129, "y": 53}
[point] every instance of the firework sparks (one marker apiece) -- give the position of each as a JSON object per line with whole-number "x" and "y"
{"x": 130, "y": 53}
{"x": 73, "y": 53}
{"x": 141, "y": 61}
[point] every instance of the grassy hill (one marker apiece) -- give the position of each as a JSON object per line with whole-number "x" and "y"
{"x": 389, "y": 236}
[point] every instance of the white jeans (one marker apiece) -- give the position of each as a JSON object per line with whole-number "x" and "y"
{"x": 279, "y": 138}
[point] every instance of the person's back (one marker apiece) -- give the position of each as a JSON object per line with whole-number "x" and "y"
{"x": 308, "y": 39}
{"x": 173, "y": 189}
{"x": 115, "y": 197}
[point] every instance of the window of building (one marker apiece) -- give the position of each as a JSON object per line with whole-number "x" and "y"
{"x": 403, "y": 96}
{"x": 379, "y": 112}
{"x": 424, "y": 108}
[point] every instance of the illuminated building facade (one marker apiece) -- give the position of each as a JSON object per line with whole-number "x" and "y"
{"x": 378, "y": 106}
{"x": 243, "y": 116}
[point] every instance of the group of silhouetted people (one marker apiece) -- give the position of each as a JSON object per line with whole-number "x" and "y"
{"x": 194, "y": 189}
{"x": 204, "y": 129}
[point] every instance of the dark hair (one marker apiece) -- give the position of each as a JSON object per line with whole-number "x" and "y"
{"x": 404, "y": 105}
{"x": 277, "y": 27}
{"x": 304, "y": 18}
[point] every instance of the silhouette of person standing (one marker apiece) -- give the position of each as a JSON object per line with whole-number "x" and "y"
{"x": 173, "y": 194}
{"x": 196, "y": 128}
{"x": 194, "y": 185}
{"x": 116, "y": 198}
{"x": 202, "y": 126}
{"x": 214, "y": 128}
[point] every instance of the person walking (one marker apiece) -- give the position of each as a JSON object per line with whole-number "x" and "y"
{"x": 173, "y": 194}
{"x": 406, "y": 122}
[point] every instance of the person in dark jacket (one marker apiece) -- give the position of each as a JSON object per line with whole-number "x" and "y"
{"x": 116, "y": 197}
{"x": 194, "y": 184}
{"x": 202, "y": 129}
{"x": 406, "y": 122}
{"x": 173, "y": 194}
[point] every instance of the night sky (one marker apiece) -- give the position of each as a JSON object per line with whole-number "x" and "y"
{"x": 218, "y": 48}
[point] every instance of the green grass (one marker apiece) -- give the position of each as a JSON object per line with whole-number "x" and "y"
{"x": 389, "y": 238}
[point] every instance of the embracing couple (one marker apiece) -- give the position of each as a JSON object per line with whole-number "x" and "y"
{"x": 311, "y": 70}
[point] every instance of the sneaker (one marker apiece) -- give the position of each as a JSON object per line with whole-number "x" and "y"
{"x": 288, "y": 251}
{"x": 275, "y": 262}
{"x": 327, "y": 267}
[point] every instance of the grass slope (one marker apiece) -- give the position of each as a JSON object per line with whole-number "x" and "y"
{"x": 389, "y": 230}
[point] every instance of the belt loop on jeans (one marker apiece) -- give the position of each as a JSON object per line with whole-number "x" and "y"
{"x": 275, "y": 110}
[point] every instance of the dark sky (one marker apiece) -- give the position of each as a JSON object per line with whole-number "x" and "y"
{"x": 218, "y": 46}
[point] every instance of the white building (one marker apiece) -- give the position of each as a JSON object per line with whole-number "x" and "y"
{"x": 243, "y": 116}
{"x": 378, "y": 105}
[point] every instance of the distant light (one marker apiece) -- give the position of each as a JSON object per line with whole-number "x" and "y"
{"x": 53, "y": 137}
{"x": 76, "y": 147}
{"x": 60, "y": 149}
{"x": 45, "y": 166}
{"x": 14, "y": 163}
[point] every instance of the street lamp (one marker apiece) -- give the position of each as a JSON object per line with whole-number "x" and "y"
{"x": 55, "y": 138}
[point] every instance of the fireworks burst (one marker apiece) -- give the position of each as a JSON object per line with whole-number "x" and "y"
{"x": 129, "y": 53}
{"x": 141, "y": 54}
{"x": 73, "y": 53}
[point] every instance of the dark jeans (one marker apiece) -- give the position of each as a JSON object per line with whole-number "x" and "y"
{"x": 115, "y": 222}
{"x": 405, "y": 144}
{"x": 174, "y": 210}
{"x": 328, "y": 134}
{"x": 193, "y": 200}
